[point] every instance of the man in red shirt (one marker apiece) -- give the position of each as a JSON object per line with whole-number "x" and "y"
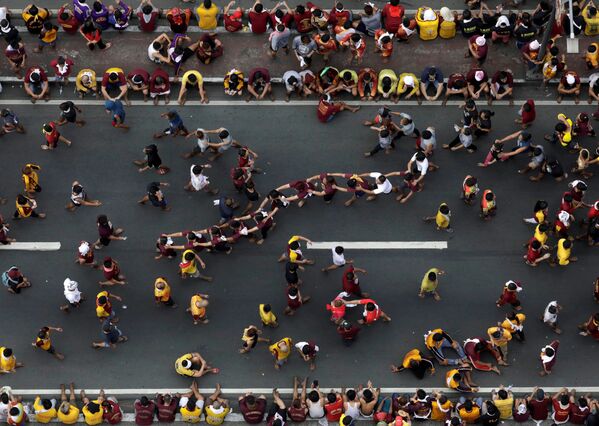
{"x": 348, "y": 332}
{"x": 112, "y": 411}
{"x": 144, "y": 411}
{"x": 351, "y": 283}
{"x": 562, "y": 406}
{"x": 327, "y": 109}
{"x": 280, "y": 16}
{"x": 538, "y": 404}
{"x": 392, "y": 15}
{"x": 258, "y": 18}
{"x": 62, "y": 70}
{"x": 371, "y": 313}
{"x": 36, "y": 84}
{"x": 147, "y": 16}
{"x": 53, "y": 136}
{"x": 67, "y": 20}
{"x": 334, "y": 407}
{"x": 160, "y": 86}
{"x": 113, "y": 80}
{"x": 252, "y": 408}
{"x": 339, "y": 16}
{"x": 569, "y": 84}
{"x": 232, "y": 21}
{"x": 302, "y": 19}
{"x": 138, "y": 80}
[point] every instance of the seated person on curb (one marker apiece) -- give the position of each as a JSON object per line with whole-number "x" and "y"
{"x": 114, "y": 80}
{"x": 191, "y": 80}
{"x": 569, "y": 84}
{"x": 431, "y": 77}
{"x": 217, "y": 408}
{"x": 36, "y": 84}
{"x": 259, "y": 85}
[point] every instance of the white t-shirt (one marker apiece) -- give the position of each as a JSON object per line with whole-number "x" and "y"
{"x": 300, "y": 346}
{"x": 422, "y": 166}
{"x": 198, "y": 182}
{"x": 184, "y": 399}
{"x": 338, "y": 259}
{"x": 3, "y": 412}
{"x": 381, "y": 188}
{"x": 295, "y": 74}
{"x": 425, "y": 143}
{"x": 593, "y": 79}
{"x": 151, "y": 52}
{"x": 548, "y": 317}
{"x": 203, "y": 142}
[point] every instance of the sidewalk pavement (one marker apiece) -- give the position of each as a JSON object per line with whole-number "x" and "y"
{"x": 244, "y": 52}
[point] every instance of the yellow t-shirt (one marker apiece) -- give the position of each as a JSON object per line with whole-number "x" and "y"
{"x": 100, "y": 311}
{"x": 195, "y": 311}
{"x": 506, "y": 324}
{"x": 427, "y": 285}
{"x": 7, "y": 364}
{"x": 593, "y": 58}
{"x": 440, "y": 411}
{"x": 506, "y": 336}
{"x": 190, "y": 416}
{"x": 441, "y": 219}
{"x": 41, "y": 414}
{"x": 280, "y": 354}
{"x": 354, "y": 75}
{"x": 45, "y": 343}
{"x": 293, "y": 256}
{"x": 469, "y": 416}
{"x": 401, "y": 86}
{"x": 541, "y": 236}
{"x": 267, "y": 318}
{"x": 540, "y": 216}
{"x": 387, "y": 73}
{"x": 93, "y": 418}
{"x": 164, "y": 294}
{"x": 190, "y": 267}
{"x": 71, "y": 417}
{"x": 92, "y": 80}
{"x": 50, "y": 36}
{"x": 207, "y": 17}
{"x": 179, "y": 366}
{"x": 216, "y": 417}
{"x": 413, "y": 355}
{"x": 451, "y": 384}
{"x": 505, "y": 407}
{"x": 563, "y": 255}
{"x": 227, "y": 82}
{"x": 115, "y": 70}
{"x": 185, "y": 78}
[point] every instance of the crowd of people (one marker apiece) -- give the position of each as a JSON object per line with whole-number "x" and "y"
{"x": 320, "y": 32}
{"x": 310, "y": 403}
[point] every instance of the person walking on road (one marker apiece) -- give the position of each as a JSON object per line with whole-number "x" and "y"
{"x": 44, "y": 342}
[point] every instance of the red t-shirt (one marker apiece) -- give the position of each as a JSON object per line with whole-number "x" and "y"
{"x": 159, "y": 73}
{"x": 66, "y": 68}
{"x": 453, "y": 78}
{"x": 253, "y": 415}
{"x": 53, "y": 136}
{"x": 115, "y": 415}
{"x": 561, "y": 414}
{"x": 71, "y": 25}
{"x": 339, "y": 18}
{"x": 348, "y": 334}
{"x": 258, "y": 21}
{"x": 141, "y": 72}
{"x": 579, "y": 415}
{"x": 539, "y": 410}
{"x": 392, "y": 17}
{"x": 147, "y": 25}
{"x": 326, "y": 110}
{"x": 303, "y": 24}
{"x": 31, "y": 70}
{"x": 286, "y": 20}
{"x": 370, "y": 316}
{"x": 144, "y": 415}
{"x": 232, "y": 25}
{"x": 564, "y": 80}
{"x": 351, "y": 286}
{"x": 529, "y": 116}
{"x": 532, "y": 254}
{"x": 334, "y": 410}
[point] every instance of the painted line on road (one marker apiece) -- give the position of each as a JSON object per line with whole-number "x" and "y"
{"x": 34, "y": 246}
{"x": 379, "y": 245}
{"x": 283, "y": 391}
{"x": 239, "y": 103}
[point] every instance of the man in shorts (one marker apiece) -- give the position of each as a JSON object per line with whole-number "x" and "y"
{"x": 199, "y": 181}
{"x": 117, "y": 112}
{"x": 138, "y": 80}
{"x": 226, "y": 142}
{"x": 53, "y": 136}
{"x": 10, "y": 122}
{"x": 79, "y": 198}
{"x": 327, "y": 109}
{"x": 175, "y": 125}
{"x": 36, "y": 84}
{"x": 155, "y": 196}
{"x": 44, "y": 343}
{"x": 152, "y": 161}
{"x": 203, "y": 142}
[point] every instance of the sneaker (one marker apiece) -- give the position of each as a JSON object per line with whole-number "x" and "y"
{"x": 456, "y": 127}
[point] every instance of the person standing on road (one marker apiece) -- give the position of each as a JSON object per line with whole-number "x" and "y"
{"x": 293, "y": 253}
{"x": 53, "y": 136}
{"x": 68, "y": 114}
{"x": 188, "y": 266}
{"x": 281, "y": 351}
{"x": 72, "y": 294}
{"x": 250, "y": 338}
{"x": 79, "y": 198}
{"x": 44, "y": 342}
{"x": 17, "y": 56}
{"x": 162, "y": 293}
{"x": 62, "y": 70}
{"x": 442, "y": 218}
{"x": 107, "y": 232}
{"x": 112, "y": 273}
{"x": 175, "y": 125}
{"x": 198, "y": 308}
{"x": 117, "y": 111}
{"x": 26, "y": 208}
{"x": 308, "y": 351}
{"x": 111, "y": 335}
{"x": 548, "y": 357}
{"x": 509, "y": 295}
{"x": 104, "y": 309}
{"x": 429, "y": 284}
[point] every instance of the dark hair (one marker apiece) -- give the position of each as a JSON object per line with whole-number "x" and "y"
{"x": 351, "y": 394}
{"x": 426, "y": 134}
{"x": 250, "y": 400}
{"x": 437, "y": 337}
{"x": 146, "y": 9}
{"x": 421, "y": 394}
{"x": 502, "y": 393}
{"x": 258, "y": 8}
{"x": 266, "y": 307}
{"x": 468, "y": 404}
{"x": 420, "y": 156}
{"x": 444, "y": 209}
{"x": 313, "y": 396}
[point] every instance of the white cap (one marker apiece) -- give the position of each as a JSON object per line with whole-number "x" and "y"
{"x": 534, "y": 45}
{"x": 479, "y": 75}
{"x": 70, "y": 285}
{"x": 84, "y": 248}
{"x": 564, "y": 217}
{"x": 570, "y": 79}
{"x": 480, "y": 41}
{"x": 429, "y": 15}
{"x": 408, "y": 80}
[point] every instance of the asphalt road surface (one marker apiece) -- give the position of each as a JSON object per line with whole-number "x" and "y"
{"x": 292, "y": 144}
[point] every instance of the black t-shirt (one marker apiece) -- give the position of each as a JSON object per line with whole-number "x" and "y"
{"x": 251, "y": 196}
{"x": 70, "y": 114}
{"x": 470, "y": 28}
{"x": 470, "y": 116}
{"x": 153, "y": 159}
{"x": 578, "y": 24}
{"x": 524, "y": 34}
{"x": 488, "y": 419}
{"x": 291, "y": 276}
{"x": 153, "y": 189}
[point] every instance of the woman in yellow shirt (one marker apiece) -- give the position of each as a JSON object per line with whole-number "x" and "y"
{"x": 86, "y": 83}
{"x": 44, "y": 343}
{"x": 267, "y": 316}
{"x": 251, "y": 337}
{"x": 31, "y": 179}
{"x": 44, "y": 410}
{"x": 68, "y": 413}
{"x": 197, "y": 307}
{"x": 162, "y": 293}
{"x": 207, "y": 14}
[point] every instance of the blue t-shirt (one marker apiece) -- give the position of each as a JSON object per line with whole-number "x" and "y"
{"x": 438, "y": 75}
{"x": 175, "y": 121}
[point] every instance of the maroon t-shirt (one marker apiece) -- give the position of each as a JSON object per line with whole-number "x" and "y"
{"x": 121, "y": 79}
{"x": 259, "y": 21}
{"x": 161, "y": 89}
{"x": 481, "y": 50}
{"x": 166, "y": 413}
{"x": 150, "y": 24}
{"x": 349, "y": 334}
{"x": 70, "y": 25}
{"x": 232, "y": 25}
{"x": 141, "y": 72}
{"x": 303, "y": 24}
{"x": 578, "y": 415}
{"x": 453, "y": 78}
{"x": 351, "y": 286}
{"x": 297, "y": 415}
{"x": 539, "y": 410}
{"x": 471, "y": 76}
{"x": 255, "y": 414}
{"x": 144, "y": 415}
{"x": 392, "y": 17}
{"x": 115, "y": 415}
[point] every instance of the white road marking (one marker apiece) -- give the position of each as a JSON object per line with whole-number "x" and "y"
{"x": 379, "y": 245}
{"x": 33, "y": 246}
{"x": 241, "y": 103}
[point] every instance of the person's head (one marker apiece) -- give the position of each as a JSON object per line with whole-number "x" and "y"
{"x": 427, "y": 134}
{"x": 207, "y": 4}
{"x": 581, "y": 186}
{"x": 536, "y": 245}
{"x": 339, "y": 7}
{"x": 568, "y": 197}
{"x": 437, "y": 337}
{"x": 420, "y": 394}
{"x": 191, "y": 404}
{"x": 93, "y": 407}
{"x": 14, "y": 411}
{"x": 543, "y": 227}
{"x": 502, "y": 394}
{"x": 292, "y": 292}
{"x": 385, "y": 40}
{"x": 564, "y": 399}
{"x": 368, "y": 395}
{"x": 189, "y": 256}
{"x": 35, "y": 76}
{"x": 223, "y": 134}
{"x": 266, "y": 308}
{"x": 471, "y": 181}
{"x": 466, "y": 14}
{"x": 582, "y": 402}
{"x": 368, "y": 10}
{"x": 489, "y": 196}
{"x": 405, "y": 22}
{"x": 525, "y": 18}
{"x": 567, "y": 244}
{"x": 339, "y": 250}
{"x": 192, "y": 78}
{"x": 7, "y": 352}
{"x": 355, "y": 37}
{"x": 592, "y": 11}
{"x": 250, "y": 400}
{"x": 21, "y": 200}
{"x": 351, "y": 394}
{"x": 432, "y": 276}
{"x": 444, "y": 209}
{"x": 258, "y": 8}
{"x": 470, "y": 104}
{"x": 351, "y": 182}
{"x": 144, "y": 401}
{"x": 370, "y": 306}
{"x": 386, "y": 83}
{"x": 146, "y": 9}
{"x": 384, "y": 133}
{"x": 467, "y": 403}
{"x": 457, "y": 377}
{"x": 347, "y": 420}
{"x": 496, "y": 334}
{"x": 98, "y": 6}
{"x": 491, "y": 408}
{"x": 33, "y": 10}
{"x": 314, "y": 396}
{"x": 294, "y": 245}
{"x": 300, "y": 9}
{"x": 4, "y": 398}
{"x": 47, "y": 128}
